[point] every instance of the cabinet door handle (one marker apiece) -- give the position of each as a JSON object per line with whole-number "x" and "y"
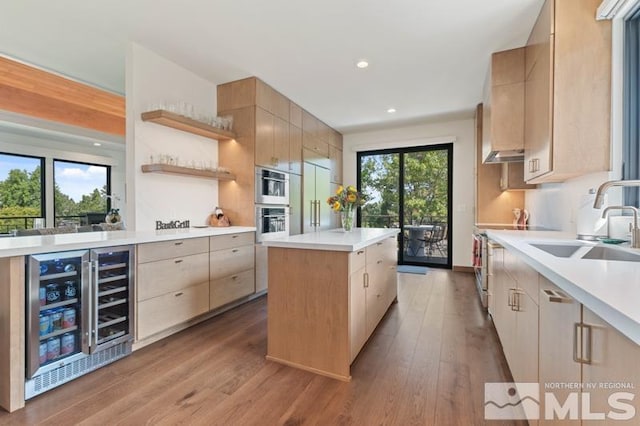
{"x": 360, "y": 252}
{"x": 585, "y": 344}
{"x": 235, "y": 277}
{"x": 177, "y": 261}
{"x": 234, "y": 251}
{"x": 510, "y": 298}
{"x": 179, "y": 243}
{"x": 379, "y": 262}
{"x": 234, "y": 236}
{"x": 313, "y": 212}
{"x": 178, "y": 294}
{"x": 365, "y": 278}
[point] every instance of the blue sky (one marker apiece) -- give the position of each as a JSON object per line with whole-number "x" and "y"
{"x": 73, "y": 179}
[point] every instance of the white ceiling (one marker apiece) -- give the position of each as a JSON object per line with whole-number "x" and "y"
{"x": 428, "y": 58}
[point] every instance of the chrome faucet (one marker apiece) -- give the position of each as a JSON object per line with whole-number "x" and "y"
{"x": 635, "y": 232}
{"x": 597, "y": 204}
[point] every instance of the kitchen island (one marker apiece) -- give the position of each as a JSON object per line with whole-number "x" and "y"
{"x": 327, "y": 293}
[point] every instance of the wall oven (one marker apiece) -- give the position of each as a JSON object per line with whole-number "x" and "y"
{"x": 271, "y": 222}
{"x": 272, "y": 187}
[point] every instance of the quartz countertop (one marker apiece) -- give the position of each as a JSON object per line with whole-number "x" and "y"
{"x": 611, "y": 289}
{"x": 22, "y": 246}
{"x": 334, "y": 239}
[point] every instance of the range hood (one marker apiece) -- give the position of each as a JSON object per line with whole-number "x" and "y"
{"x": 504, "y": 156}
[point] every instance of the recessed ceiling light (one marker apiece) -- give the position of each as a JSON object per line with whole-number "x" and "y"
{"x": 362, "y": 64}
{"x": 391, "y": 110}
{"x": 97, "y": 144}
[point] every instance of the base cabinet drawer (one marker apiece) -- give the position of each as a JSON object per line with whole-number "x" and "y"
{"x": 171, "y": 275}
{"x": 150, "y": 252}
{"x": 221, "y": 242}
{"x": 167, "y": 310}
{"x": 228, "y": 289}
{"x": 231, "y": 261}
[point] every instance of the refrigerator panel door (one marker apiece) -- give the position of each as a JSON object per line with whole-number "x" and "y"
{"x": 295, "y": 207}
{"x": 309, "y": 197}
{"x": 323, "y": 191}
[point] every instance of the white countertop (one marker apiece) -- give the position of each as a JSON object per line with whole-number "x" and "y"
{"x": 611, "y": 289}
{"x": 21, "y": 246}
{"x": 334, "y": 239}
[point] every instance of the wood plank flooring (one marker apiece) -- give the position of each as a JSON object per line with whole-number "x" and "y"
{"x": 426, "y": 364}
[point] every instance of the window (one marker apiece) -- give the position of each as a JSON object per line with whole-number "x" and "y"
{"x": 21, "y": 191}
{"x": 631, "y": 131}
{"x": 80, "y": 192}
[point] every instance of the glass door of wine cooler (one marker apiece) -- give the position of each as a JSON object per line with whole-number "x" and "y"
{"x": 112, "y": 297}
{"x": 57, "y": 299}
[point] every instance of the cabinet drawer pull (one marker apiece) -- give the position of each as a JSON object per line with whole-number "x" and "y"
{"x": 379, "y": 262}
{"x": 234, "y": 236}
{"x": 359, "y": 252}
{"x": 179, "y": 243}
{"x": 235, "y": 251}
{"x": 554, "y": 296}
{"x": 378, "y": 243}
{"x": 178, "y": 294}
{"x": 177, "y": 261}
{"x": 584, "y": 357}
{"x": 235, "y": 277}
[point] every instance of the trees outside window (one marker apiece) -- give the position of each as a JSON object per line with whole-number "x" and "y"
{"x": 80, "y": 188}
{"x": 21, "y": 191}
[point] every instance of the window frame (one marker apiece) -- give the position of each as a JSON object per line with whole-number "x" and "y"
{"x": 53, "y": 183}
{"x": 43, "y": 182}
{"x": 631, "y": 105}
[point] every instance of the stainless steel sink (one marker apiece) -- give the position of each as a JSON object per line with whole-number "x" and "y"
{"x": 559, "y": 250}
{"x": 608, "y": 253}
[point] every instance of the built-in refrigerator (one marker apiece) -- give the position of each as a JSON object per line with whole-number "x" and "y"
{"x": 317, "y": 213}
{"x": 79, "y": 314}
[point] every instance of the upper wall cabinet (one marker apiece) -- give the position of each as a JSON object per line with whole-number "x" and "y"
{"x": 567, "y": 92}
{"x": 503, "y": 108}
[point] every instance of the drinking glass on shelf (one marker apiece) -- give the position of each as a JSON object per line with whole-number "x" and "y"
{"x": 229, "y": 122}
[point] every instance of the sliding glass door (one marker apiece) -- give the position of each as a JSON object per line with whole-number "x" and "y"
{"x": 410, "y": 189}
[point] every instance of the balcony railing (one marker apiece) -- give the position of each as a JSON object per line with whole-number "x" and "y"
{"x": 8, "y": 224}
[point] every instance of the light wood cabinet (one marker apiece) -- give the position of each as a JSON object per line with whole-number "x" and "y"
{"x": 270, "y": 131}
{"x": 295, "y": 149}
{"x": 272, "y": 141}
{"x": 516, "y": 315}
{"x": 357, "y": 310}
{"x": 172, "y": 280}
{"x": 567, "y": 92}
{"x": 165, "y": 311}
{"x": 503, "y": 107}
{"x": 512, "y": 177}
{"x": 335, "y": 157}
{"x": 232, "y": 272}
{"x": 577, "y": 346}
{"x": 324, "y": 305}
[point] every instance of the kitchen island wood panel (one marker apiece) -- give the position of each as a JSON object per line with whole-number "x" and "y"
{"x": 327, "y": 293}
{"x": 308, "y": 311}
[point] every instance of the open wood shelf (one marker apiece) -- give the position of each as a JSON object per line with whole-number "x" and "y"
{"x": 180, "y": 122}
{"x": 186, "y": 171}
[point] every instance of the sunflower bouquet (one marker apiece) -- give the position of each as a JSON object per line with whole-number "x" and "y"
{"x": 345, "y": 202}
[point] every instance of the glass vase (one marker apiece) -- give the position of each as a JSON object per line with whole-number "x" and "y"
{"x": 347, "y": 219}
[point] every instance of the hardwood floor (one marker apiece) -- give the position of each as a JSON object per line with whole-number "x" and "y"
{"x": 426, "y": 364}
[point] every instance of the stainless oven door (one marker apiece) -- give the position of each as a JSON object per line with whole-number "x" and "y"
{"x": 272, "y": 187}
{"x": 272, "y": 222}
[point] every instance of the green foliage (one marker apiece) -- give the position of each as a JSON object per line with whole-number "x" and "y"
{"x": 425, "y": 191}
{"x": 20, "y": 195}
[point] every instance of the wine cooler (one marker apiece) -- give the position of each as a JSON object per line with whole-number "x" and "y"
{"x": 79, "y": 314}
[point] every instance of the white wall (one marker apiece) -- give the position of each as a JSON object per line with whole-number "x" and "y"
{"x": 152, "y": 79}
{"x": 460, "y": 132}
